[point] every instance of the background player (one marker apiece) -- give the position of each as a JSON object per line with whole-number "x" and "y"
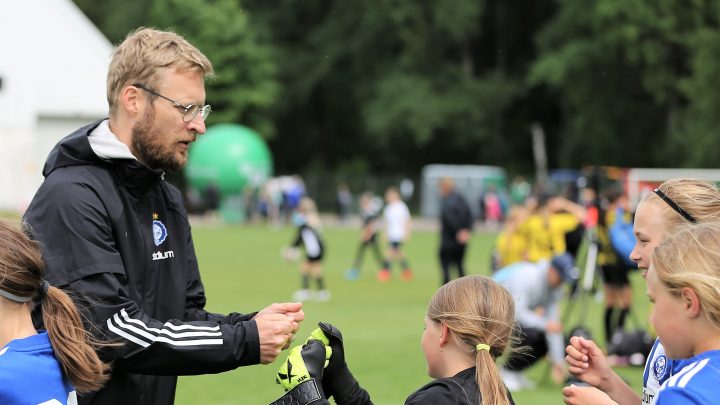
{"x": 369, "y": 214}
{"x": 398, "y": 225}
{"x": 308, "y": 225}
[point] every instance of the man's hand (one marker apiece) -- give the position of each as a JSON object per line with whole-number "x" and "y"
{"x": 275, "y": 332}
{"x": 292, "y": 310}
{"x": 463, "y": 236}
{"x": 303, "y": 363}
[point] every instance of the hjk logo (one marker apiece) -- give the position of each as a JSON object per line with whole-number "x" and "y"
{"x": 159, "y": 232}
{"x": 659, "y": 367}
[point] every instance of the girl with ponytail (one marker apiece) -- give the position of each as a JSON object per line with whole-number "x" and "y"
{"x": 470, "y": 322}
{"x": 46, "y": 365}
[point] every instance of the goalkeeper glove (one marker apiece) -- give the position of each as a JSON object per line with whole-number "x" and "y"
{"x": 338, "y": 381}
{"x": 302, "y": 372}
{"x": 303, "y": 363}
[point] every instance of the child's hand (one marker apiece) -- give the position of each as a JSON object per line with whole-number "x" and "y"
{"x": 290, "y": 254}
{"x": 588, "y": 363}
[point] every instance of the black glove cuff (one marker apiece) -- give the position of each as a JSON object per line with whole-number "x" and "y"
{"x": 346, "y": 390}
{"x": 304, "y": 393}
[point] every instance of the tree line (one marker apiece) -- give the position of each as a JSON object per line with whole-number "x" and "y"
{"x": 383, "y": 86}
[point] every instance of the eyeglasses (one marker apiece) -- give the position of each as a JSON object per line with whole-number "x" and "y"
{"x": 189, "y": 111}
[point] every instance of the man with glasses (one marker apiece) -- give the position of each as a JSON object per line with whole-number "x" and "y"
{"x": 116, "y": 235}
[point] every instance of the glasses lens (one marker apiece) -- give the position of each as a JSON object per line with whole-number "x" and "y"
{"x": 191, "y": 113}
{"x": 206, "y": 111}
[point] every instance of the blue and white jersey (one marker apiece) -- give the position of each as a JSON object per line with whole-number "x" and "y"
{"x": 658, "y": 368}
{"x": 31, "y": 375}
{"x": 696, "y": 383}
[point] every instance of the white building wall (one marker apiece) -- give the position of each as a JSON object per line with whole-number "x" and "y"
{"x": 53, "y": 69}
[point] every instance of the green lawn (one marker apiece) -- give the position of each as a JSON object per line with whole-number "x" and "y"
{"x": 382, "y": 323}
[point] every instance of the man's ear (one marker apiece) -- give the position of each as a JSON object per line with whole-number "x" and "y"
{"x": 130, "y": 100}
{"x": 691, "y": 301}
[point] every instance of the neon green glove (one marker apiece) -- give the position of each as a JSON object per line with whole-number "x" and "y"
{"x": 303, "y": 363}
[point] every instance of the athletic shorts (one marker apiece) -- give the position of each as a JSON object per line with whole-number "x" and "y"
{"x": 615, "y": 275}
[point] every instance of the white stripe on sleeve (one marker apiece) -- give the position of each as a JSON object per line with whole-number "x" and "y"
{"x": 690, "y": 374}
{"x": 138, "y": 332}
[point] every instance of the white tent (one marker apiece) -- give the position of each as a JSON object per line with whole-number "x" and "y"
{"x": 52, "y": 81}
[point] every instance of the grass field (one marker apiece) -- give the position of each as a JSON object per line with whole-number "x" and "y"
{"x": 382, "y": 323}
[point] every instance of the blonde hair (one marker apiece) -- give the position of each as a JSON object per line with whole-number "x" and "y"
{"x": 690, "y": 257}
{"x": 308, "y": 208}
{"x": 698, "y": 197}
{"x": 143, "y": 53}
{"x": 479, "y": 311}
{"x": 21, "y": 275}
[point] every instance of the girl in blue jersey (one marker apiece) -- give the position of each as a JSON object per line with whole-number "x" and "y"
{"x": 683, "y": 284}
{"x": 45, "y": 366}
{"x": 674, "y": 203}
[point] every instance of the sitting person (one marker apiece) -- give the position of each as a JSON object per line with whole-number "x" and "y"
{"x": 46, "y": 366}
{"x": 469, "y": 324}
{"x": 537, "y": 289}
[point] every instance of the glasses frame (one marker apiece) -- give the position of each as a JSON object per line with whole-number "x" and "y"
{"x": 186, "y": 110}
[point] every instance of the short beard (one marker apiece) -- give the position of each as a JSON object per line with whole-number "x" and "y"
{"x": 147, "y": 151}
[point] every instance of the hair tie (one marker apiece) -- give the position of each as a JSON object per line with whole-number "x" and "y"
{"x": 674, "y": 206}
{"x": 482, "y": 346}
{"x": 43, "y": 289}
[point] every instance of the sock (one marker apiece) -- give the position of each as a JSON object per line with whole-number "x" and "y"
{"x": 623, "y": 316}
{"x": 320, "y": 283}
{"x": 305, "y": 282}
{"x": 608, "y": 323}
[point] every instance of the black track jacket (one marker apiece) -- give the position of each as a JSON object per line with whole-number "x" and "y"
{"x": 455, "y": 215}
{"x": 116, "y": 236}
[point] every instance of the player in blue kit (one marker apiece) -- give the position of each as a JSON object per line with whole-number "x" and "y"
{"x": 46, "y": 366}
{"x": 682, "y": 284}
{"x": 675, "y": 203}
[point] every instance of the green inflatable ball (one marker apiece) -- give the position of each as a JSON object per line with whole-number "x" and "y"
{"x": 229, "y": 156}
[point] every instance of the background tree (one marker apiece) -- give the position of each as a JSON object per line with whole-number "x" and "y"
{"x": 384, "y": 87}
{"x": 625, "y": 76}
{"x": 392, "y": 86}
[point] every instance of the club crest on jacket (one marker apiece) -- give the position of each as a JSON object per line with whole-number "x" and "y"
{"x": 159, "y": 232}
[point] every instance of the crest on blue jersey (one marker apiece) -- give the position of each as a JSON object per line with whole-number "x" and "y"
{"x": 159, "y": 232}
{"x": 659, "y": 367}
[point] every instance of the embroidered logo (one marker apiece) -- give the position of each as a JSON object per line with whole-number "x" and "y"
{"x": 659, "y": 367}
{"x": 159, "y": 232}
